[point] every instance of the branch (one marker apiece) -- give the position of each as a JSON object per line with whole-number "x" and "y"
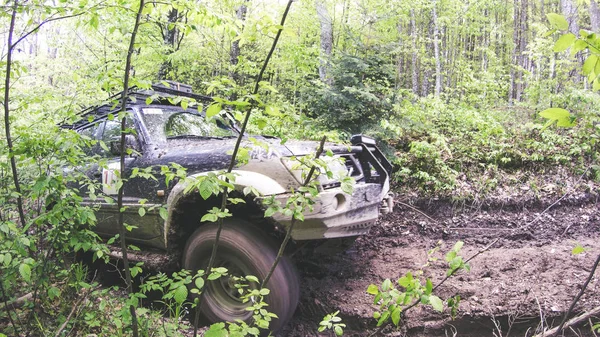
{"x": 9, "y": 306}
{"x": 225, "y": 194}
{"x": 416, "y": 210}
{"x": 288, "y": 234}
{"x": 134, "y": 323}
{"x": 581, "y": 291}
{"x": 556, "y": 202}
{"x": 40, "y": 26}
{"x": 412, "y": 305}
{"x": 486, "y": 248}
{"x": 64, "y": 325}
{"x": 573, "y": 321}
{"x": 9, "y": 142}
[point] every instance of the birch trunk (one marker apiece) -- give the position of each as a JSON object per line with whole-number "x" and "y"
{"x": 326, "y": 40}
{"x": 436, "y": 51}
{"x": 415, "y": 70}
{"x": 595, "y": 16}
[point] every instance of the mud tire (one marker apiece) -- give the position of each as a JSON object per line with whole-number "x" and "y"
{"x": 243, "y": 249}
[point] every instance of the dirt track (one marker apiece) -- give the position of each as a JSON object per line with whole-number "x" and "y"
{"x": 527, "y": 277}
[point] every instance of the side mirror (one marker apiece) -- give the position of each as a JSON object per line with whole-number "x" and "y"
{"x": 131, "y": 143}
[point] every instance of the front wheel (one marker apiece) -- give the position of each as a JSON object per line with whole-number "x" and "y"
{"x": 243, "y": 250}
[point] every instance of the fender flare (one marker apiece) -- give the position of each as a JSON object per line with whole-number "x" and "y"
{"x": 265, "y": 185}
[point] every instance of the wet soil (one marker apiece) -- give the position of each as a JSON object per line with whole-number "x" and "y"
{"x": 523, "y": 282}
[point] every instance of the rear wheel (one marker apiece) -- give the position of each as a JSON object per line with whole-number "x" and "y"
{"x": 243, "y": 250}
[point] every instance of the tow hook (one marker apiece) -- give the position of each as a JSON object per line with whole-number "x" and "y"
{"x": 387, "y": 204}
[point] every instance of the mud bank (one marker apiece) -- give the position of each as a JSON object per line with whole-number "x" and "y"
{"x": 523, "y": 283}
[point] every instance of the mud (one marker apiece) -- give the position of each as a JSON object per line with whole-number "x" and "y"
{"x": 524, "y": 282}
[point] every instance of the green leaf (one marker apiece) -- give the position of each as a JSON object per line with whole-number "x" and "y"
{"x": 590, "y": 64}
{"x": 199, "y": 283}
{"x": 213, "y": 109}
{"x": 596, "y": 85}
{"x": 338, "y": 330}
{"x": 385, "y": 286}
{"x": 25, "y": 271}
{"x": 252, "y": 278}
{"x": 94, "y": 21}
{"x": 184, "y": 104}
{"x": 564, "y": 42}
{"x": 205, "y": 189}
{"x": 209, "y": 217}
{"x": 457, "y": 246}
{"x": 436, "y": 303}
{"x": 216, "y": 330}
{"x": 396, "y": 316}
{"x": 578, "y": 249}
{"x": 561, "y": 116}
{"x": 557, "y": 21}
{"x": 269, "y": 212}
{"x": 164, "y": 214}
{"x": 142, "y": 211}
{"x": 261, "y": 123}
{"x": 578, "y": 46}
{"x": 428, "y": 287}
{"x": 548, "y": 33}
{"x": 372, "y": 289}
{"x": 214, "y": 276}
{"x": 383, "y": 318}
{"x": 273, "y": 111}
{"x": 180, "y": 294}
{"x": 53, "y": 292}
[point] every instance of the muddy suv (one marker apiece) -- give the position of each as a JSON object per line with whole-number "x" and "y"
{"x": 166, "y": 133}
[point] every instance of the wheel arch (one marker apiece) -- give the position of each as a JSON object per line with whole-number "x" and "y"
{"x": 185, "y": 210}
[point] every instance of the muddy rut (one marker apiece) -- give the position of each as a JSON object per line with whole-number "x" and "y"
{"x": 525, "y": 281}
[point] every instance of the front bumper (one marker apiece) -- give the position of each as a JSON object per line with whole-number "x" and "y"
{"x": 337, "y": 214}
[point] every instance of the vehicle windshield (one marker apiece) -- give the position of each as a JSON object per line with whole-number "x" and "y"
{"x": 164, "y": 123}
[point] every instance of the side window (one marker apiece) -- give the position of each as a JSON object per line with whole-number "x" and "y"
{"x": 111, "y": 136}
{"x": 112, "y": 132}
{"x": 91, "y": 132}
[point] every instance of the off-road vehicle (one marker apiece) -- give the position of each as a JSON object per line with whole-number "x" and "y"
{"x": 166, "y": 133}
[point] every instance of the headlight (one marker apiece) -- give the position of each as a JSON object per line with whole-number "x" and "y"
{"x": 335, "y": 165}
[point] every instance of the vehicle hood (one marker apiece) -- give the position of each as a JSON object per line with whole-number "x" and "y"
{"x": 216, "y": 153}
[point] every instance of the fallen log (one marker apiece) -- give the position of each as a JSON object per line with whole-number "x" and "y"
{"x": 573, "y": 321}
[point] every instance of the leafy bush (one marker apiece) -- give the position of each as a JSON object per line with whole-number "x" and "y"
{"x": 435, "y": 143}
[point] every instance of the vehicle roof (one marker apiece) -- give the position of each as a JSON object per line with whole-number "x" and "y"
{"x": 136, "y": 95}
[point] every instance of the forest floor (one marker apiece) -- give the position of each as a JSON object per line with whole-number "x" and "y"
{"x": 525, "y": 280}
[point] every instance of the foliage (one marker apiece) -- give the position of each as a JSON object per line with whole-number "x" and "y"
{"x": 392, "y": 300}
{"x": 359, "y": 96}
{"x": 332, "y": 322}
{"x": 463, "y": 143}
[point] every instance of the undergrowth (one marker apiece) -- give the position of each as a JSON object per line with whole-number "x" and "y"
{"x": 463, "y": 152}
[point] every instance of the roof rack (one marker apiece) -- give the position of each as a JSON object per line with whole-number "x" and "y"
{"x": 113, "y": 103}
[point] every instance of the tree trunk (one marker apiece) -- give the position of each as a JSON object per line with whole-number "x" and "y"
{"x": 234, "y": 52}
{"x": 515, "y": 54}
{"x": 595, "y": 16}
{"x": 569, "y": 10}
{"x": 522, "y": 48}
{"x": 415, "y": 70}
{"x": 436, "y": 51}
{"x": 170, "y": 41}
{"x": 400, "y": 61}
{"x": 7, "y": 84}
{"x": 326, "y": 41}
